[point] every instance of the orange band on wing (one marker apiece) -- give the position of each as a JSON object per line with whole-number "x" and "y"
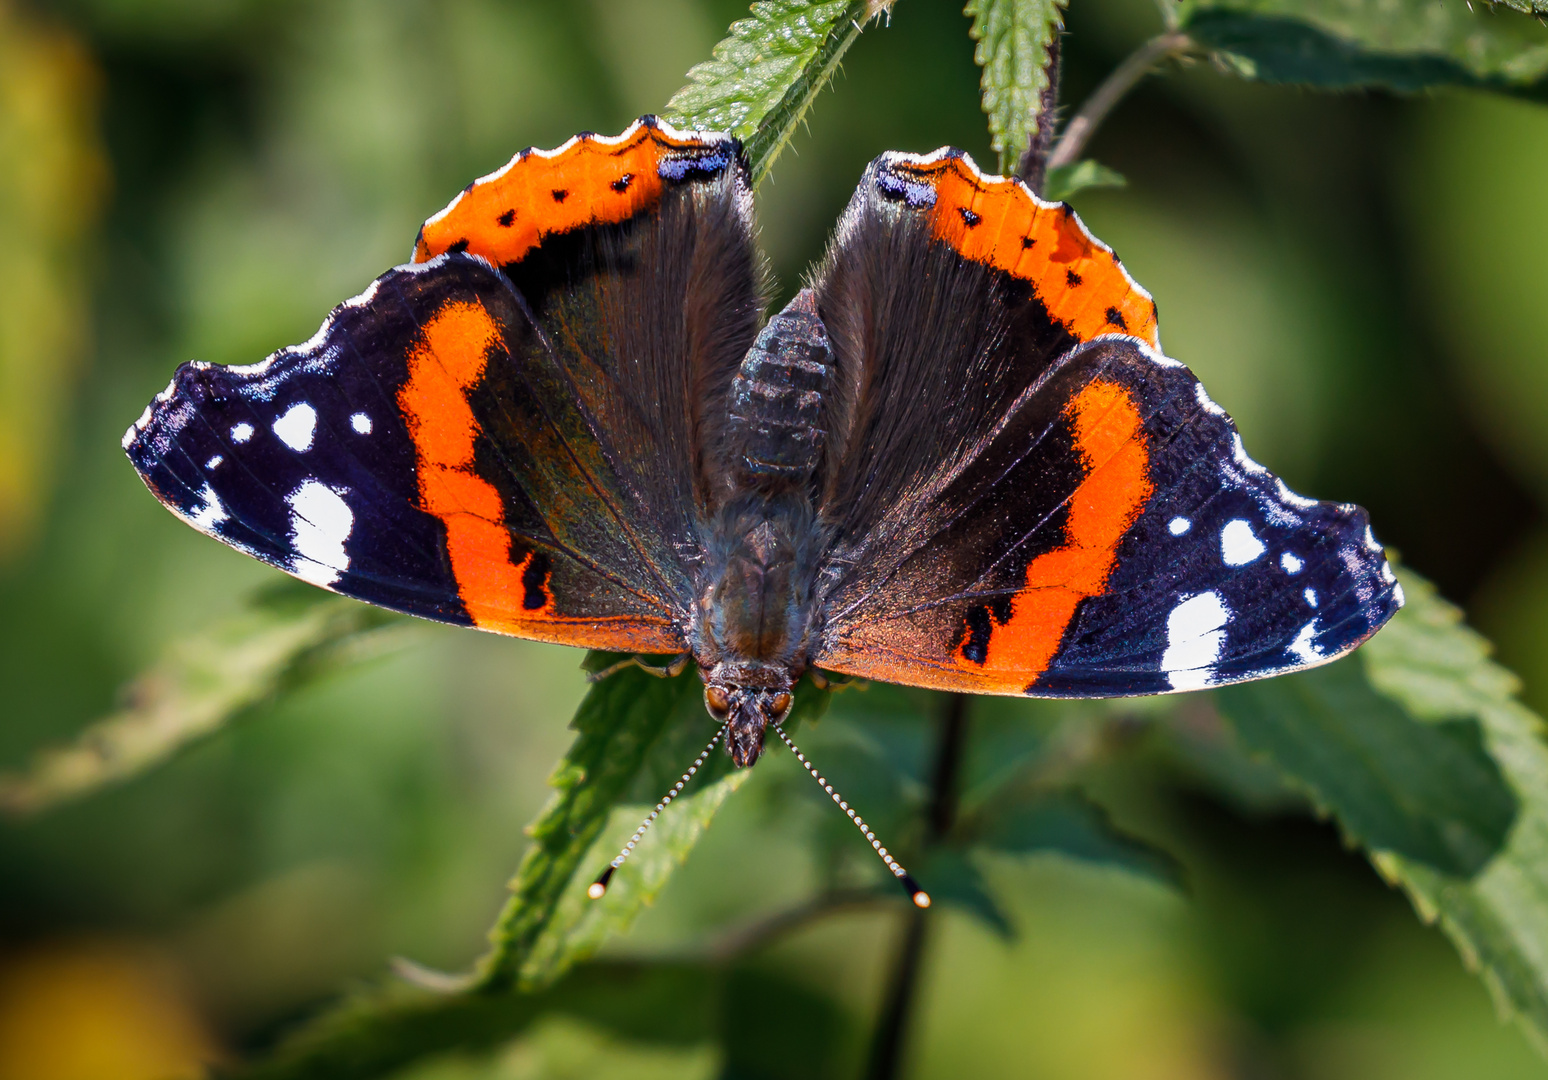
{"x": 499, "y": 594}
{"x": 591, "y": 181}
{"x": 1110, "y": 438}
{"x": 996, "y": 221}
{"x": 448, "y": 360}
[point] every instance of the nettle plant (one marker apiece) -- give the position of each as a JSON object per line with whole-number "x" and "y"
{"x": 1415, "y": 746}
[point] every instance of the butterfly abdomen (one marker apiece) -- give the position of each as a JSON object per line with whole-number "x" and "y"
{"x": 774, "y": 434}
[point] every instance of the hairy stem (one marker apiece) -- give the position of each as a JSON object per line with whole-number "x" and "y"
{"x": 1034, "y": 162}
{"x": 1123, "y": 79}
{"x": 902, "y": 988}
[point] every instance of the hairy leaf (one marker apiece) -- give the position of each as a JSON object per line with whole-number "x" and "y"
{"x": 1405, "y": 45}
{"x": 1013, "y": 38}
{"x": 288, "y": 635}
{"x": 764, "y": 75}
{"x": 1065, "y": 181}
{"x": 633, "y": 729}
{"x": 1418, "y": 747}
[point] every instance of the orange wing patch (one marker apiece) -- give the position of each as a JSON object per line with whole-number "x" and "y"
{"x": 500, "y": 595}
{"x": 1110, "y": 438}
{"x": 1113, "y": 448}
{"x": 999, "y": 222}
{"x": 589, "y": 180}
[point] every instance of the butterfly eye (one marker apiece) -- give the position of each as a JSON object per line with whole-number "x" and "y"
{"x": 717, "y": 701}
{"x": 781, "y": 705}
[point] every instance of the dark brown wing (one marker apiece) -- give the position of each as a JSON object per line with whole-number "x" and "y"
{"x": 1024, "y": 494}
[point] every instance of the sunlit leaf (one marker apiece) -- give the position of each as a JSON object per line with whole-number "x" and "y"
{"x": 764, "y": 75}
{"x": 627, "y": 727}
{"x": 1419, "y": 749}
{"x": 1013, "y": 38}
{"x": 1063, "y": 182}
{"x": 203, "y": 682}
{"x": 1405, "y": 45}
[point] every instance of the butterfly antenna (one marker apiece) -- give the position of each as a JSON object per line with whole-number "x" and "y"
{"x": 918, "y": 895}
{"x": 599, "y": 886}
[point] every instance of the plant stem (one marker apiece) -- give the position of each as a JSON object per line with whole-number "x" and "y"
{"x": 902, "y": 988}
{"x": 1123, "y": 79}
{"x": 1034, "y": 162}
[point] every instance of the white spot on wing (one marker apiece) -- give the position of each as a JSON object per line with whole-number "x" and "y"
{"x": 214, "y": 462}
{"x": 1195, "y": 636}
{"x": 1311, "y": 596}
{"x": 1238, "y": 544}
{"x": 1397, "y": 594}
{"x": 1386, "y": 573}
{"x": 361, "y": 423}
{"x": 297, "y": 427}
{"x": 320, "y": 523}
{"x": 1370, "y": 541}
{"x": 1178, "y": 525}
{"x": 1302, "y": 647}
{"x": 1291, "y": 562}
{"x": 207, "y": 516}
{"x": 240, "y": 433}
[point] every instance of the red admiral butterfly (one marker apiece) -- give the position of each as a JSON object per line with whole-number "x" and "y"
{"x": 957, "y": 459}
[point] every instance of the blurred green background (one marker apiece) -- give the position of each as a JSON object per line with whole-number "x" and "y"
{"x": 1359, "y": 279}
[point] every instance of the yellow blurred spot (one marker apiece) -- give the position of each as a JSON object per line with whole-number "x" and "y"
{"x": 96, "y": 1011}
{"x": 52, "y": 176}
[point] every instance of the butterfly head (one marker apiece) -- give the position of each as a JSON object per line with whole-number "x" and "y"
{"x": 747, "y": 712}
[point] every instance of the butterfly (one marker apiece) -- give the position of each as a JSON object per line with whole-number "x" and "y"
{"x": 956, "y": 459}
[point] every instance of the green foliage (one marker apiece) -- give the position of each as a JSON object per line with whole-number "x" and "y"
{"x": 1419, "y": 749}
{"x": 1065, "y": 181}
{"x": 1013, "y": 38}
{"x": 1415, "y": 747}
{"x": 289, "y": 635}
{"x": 1405, "y": 46}
{"x": 762, "y": 78}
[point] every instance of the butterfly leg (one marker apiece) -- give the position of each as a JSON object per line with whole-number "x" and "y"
{"x": 673, "y": 668}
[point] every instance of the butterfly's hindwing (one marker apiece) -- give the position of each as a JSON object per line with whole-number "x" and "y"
{"x": 1010, "y": 497}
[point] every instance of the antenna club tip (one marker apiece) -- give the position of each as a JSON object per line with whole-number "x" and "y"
{"x": 598, "y": 887}
{"x": 921, "y": 899}
{"x": 919, "y": 896}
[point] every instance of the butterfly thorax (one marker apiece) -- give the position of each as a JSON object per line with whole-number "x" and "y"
{"x": 755, "y": 611}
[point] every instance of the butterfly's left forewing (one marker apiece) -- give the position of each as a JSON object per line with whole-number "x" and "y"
{"x": 1098, "y": 530}
{"x": 506, "y": 432}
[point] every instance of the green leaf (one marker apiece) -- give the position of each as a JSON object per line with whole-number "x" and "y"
{"x": 1404, "y": 45}
{"x": 1063, "y": 182}
{"x": 382, "y": 1029}
{"x": 1429, "y": 791}
{"x": 764, "y": 75}
{"x": 1068, "y": 824}
{"x": 618, "y": 723}
{"x": 634, "y": 730}
{"x": 950, "y": 877}
{"x": 289, "y": 635}
{"x": 580, "y": 925}
{"x": 1013, "y": 38}
{"x": 1430, "y": 672}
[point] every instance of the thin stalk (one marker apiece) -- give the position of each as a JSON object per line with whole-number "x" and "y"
{"x": 903, "y": 984}
{"x": 1034, "y": 162}
{"x": 1123, "y": 79}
